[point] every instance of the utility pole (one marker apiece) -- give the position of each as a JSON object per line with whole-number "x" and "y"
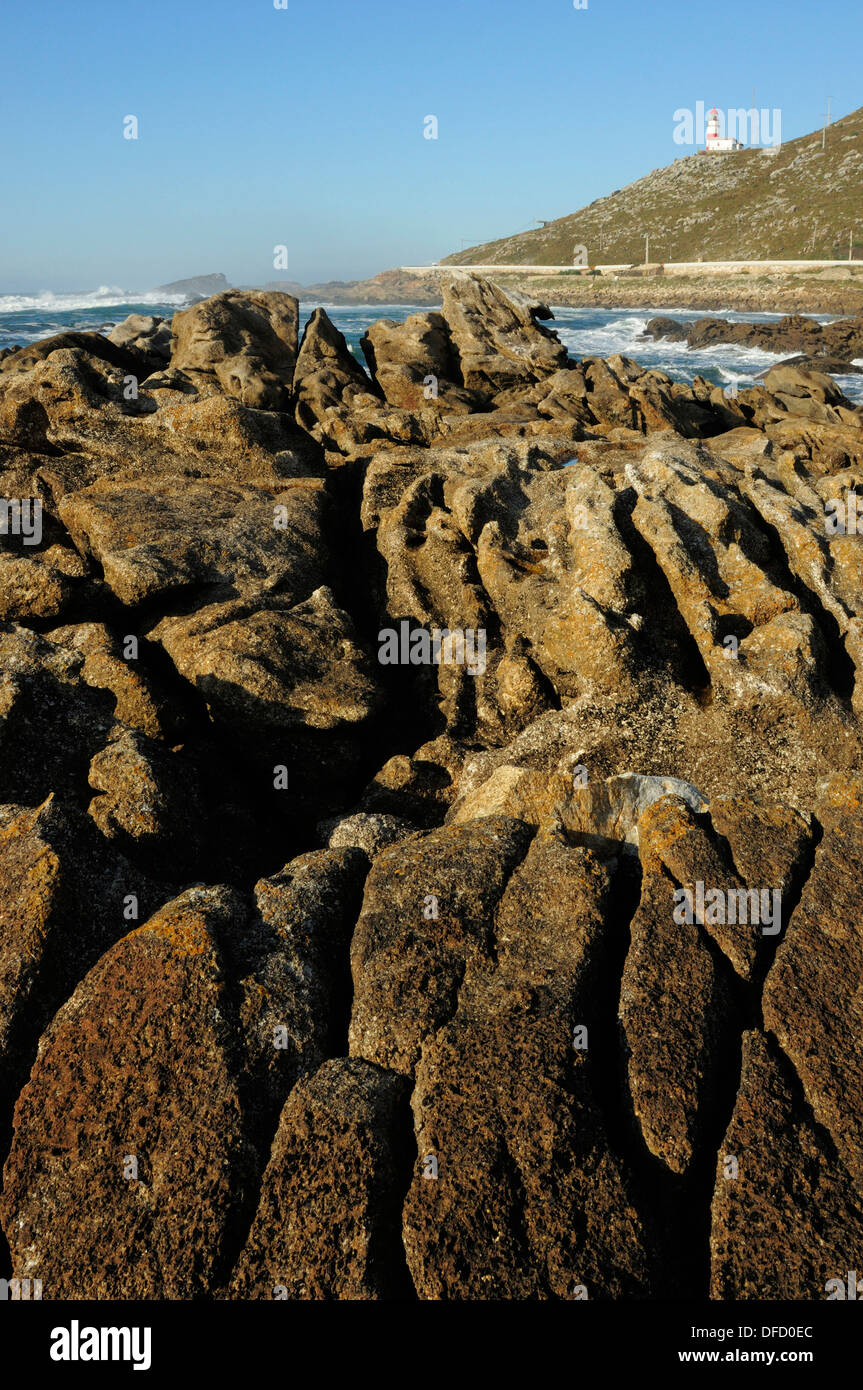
{"x": 851, "y": 244}
{"x": 647, "y": 249}
{"x": 824, "y": 128}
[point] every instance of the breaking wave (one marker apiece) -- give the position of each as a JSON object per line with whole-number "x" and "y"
{"x": 105, "y": 297}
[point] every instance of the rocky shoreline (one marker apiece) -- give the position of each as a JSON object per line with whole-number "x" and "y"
{"x": 837, "y": 290}
{"x": 367, "y": 738}
{"x": 830, "y": 348}
{"x": 827, "y": 292}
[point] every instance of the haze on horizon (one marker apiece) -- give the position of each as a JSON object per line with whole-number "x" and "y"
{"x": 304, "y": 127}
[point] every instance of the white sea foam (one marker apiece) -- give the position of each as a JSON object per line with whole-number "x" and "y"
{"x": 851, "y": 385}
{"x": 105, "y": 297}
{"x": 623, "y": 332}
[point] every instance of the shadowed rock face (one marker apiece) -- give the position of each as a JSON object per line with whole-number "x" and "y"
{"x": 430, "y": 810}
{"x": 145, "y": 333}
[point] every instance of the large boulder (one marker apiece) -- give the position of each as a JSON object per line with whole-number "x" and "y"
{"x": 158, "y": 1086}
{"x": 109, "y": 1163}
{"x": 122, "y": 354}
{"x": 813, "y": 1002}
{"x": 498, "y": 338}
{"x": 274, "y": 665}
{"x": 786, "y": 1213}
{"x": 65, "y": 897}
{"x": 414, "y": 362}
{"x": 147, "y": 334}
{"x": 428, "y": 910}
{"x": 47, "y": 582}
{"x": 517, "y": 1190}
{"x": 246, "y": 340}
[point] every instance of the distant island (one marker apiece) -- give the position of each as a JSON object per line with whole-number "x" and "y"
{"x": 196, "y": 287}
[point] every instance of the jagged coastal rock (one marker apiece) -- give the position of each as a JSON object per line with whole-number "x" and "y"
{"x": 832, "y": 345}
{"x": 430, "y": 809}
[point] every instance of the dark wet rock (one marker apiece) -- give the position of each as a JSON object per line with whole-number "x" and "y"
{"x": 835, "y": 366}
{"x": 794, "y": 333}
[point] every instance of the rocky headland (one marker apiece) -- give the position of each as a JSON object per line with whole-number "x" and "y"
{"x": 324, "y": 975}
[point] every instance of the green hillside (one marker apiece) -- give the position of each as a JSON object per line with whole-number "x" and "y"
{"x": 794, "y": 201}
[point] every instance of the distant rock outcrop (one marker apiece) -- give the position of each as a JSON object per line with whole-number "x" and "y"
{"x": 839, "y": 341}
{"x": 196, "y": 286}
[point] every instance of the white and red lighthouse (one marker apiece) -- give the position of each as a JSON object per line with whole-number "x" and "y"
{"x": 716, "y": 142}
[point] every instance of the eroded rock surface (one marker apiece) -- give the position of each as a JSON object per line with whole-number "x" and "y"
{"x": 430, "y": 813}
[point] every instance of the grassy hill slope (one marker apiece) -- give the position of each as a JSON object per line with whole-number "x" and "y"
{"x": 797, "y": 201}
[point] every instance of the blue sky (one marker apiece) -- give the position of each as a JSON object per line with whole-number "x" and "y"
{"x": 304, "y": 127}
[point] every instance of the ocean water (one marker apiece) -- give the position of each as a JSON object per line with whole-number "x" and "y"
{"x": 593, "y": 331}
